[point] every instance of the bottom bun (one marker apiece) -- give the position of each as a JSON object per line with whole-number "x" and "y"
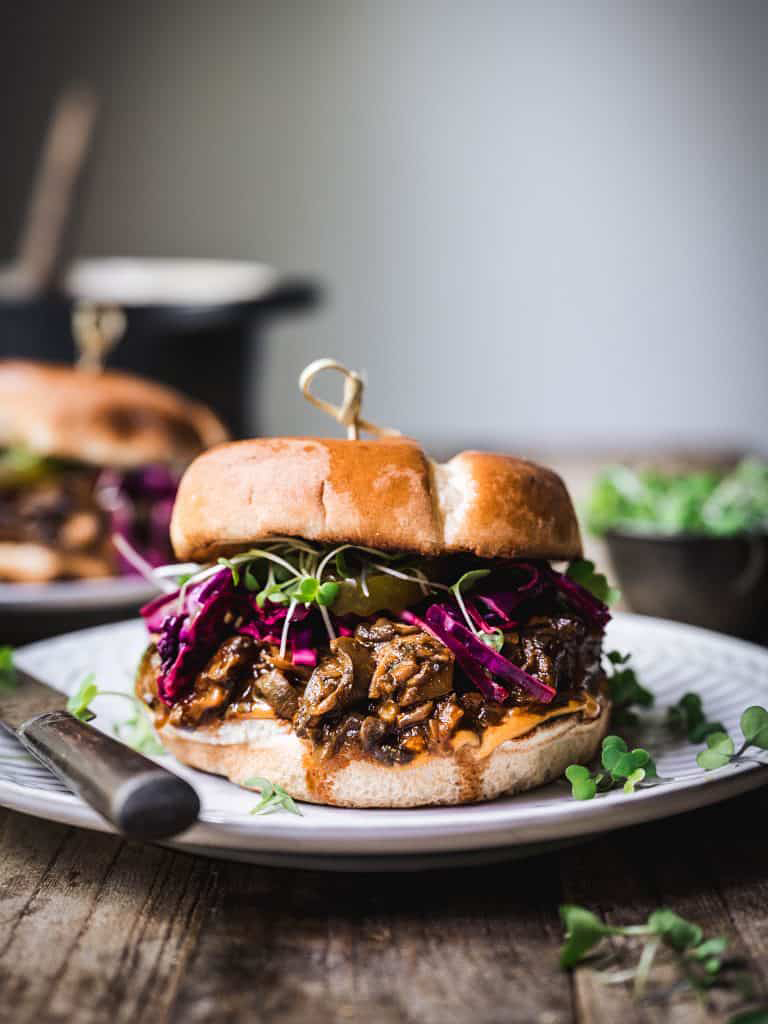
{"x": 36, "y": 563}
{"x": 269, "y": 748}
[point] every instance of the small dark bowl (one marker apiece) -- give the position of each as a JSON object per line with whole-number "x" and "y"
{"x": 717, "y": 582}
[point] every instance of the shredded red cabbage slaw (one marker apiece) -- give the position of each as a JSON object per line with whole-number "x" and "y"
{"x": 138, "y": 504}
{"x": 189, "y": 623}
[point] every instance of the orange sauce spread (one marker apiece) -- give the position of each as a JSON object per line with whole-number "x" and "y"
{"x": 470, "y": 750}
{"x": 518, "y": 722}
{"x": 252, "y": 710}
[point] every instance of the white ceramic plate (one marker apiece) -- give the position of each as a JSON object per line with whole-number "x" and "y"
{"x": 670, "y": 658}
{"x": 76, "y": 595}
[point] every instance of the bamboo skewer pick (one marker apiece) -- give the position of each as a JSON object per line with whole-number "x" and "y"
{"x": 348, "y": 413}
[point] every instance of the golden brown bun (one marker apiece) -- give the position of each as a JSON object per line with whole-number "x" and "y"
{"x": 106, "y": 419}
{"x": 384, "y": 494}
{"x": 269, "y": 748}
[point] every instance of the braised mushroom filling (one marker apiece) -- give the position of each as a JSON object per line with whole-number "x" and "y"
{"x": 73, "y": 508}
{"x": 57, "y": 510}
{"x": 388, "y": 690}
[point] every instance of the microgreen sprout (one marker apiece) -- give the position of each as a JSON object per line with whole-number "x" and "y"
{"x": 494, "y": 639}
{"x": 292, "y": 572}
{"x": 687, "y": 718}
{"x": 273, "y": 797}
{"x": 628, "y": 766}
{"x": 79, "y": 702}
{"x": 136, "y": 731}
{"x": 295, "y": 574}
{"x": 721, "y": 750}
{"x": 625, "y": 690}
{"x": 7, "y": 669}
{"x": 467, "y": 581}
{"x": 583, "y": 783}
{"x": 233, "y": 567}
{"x": 700, "y": 962}
{"x": 619, "y": 766}
{"x": 582, "y": 571}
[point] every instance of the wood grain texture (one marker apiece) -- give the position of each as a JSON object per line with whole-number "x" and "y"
{"x": 294, "y": 946}
{"x": 682, "y": 864}
{"x": 95, "y": 930}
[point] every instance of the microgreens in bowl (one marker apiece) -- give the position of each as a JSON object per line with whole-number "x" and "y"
{"x": 703, "y": 502}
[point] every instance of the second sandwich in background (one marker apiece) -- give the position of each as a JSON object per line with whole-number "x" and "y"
{"x": 83, "y": 456}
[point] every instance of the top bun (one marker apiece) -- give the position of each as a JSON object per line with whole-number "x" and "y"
{"x": 107, "y": 419}
{"x": 385, "y": 494}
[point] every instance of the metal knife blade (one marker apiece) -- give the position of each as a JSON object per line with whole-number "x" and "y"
{"x": 30, "y": 697}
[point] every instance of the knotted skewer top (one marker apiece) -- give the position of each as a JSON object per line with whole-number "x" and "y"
{"x": 96, "y": 329}
{"x": 348, "y": 413}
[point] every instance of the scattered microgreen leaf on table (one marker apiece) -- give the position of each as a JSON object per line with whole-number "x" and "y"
{"x": 757, "y": 1016}
{"x": 700, "y": 962}
{"x": 273, "y": 797}
{"x": 583, "y": 932}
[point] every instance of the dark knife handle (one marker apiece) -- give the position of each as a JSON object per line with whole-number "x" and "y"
{"x": 140, "y": 798}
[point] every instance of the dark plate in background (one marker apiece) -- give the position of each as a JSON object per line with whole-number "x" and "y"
{"x": 720, "y": 583}
{"x": 206, "y": 349}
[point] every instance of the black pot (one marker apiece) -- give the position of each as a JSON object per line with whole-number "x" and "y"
{"x": 208, "y": 350}
{"x": 717, "y": 582}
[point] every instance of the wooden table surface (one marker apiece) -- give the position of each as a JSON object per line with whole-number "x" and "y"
{"x": 96, "y": 929}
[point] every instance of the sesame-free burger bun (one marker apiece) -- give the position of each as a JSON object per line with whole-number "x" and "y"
{"x": 107, "y": 419}
{"x": 383, "y": 493}
{"x": 269, "y": 748}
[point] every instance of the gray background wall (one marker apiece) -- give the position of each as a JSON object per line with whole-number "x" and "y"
{"x": 540, "y": 223}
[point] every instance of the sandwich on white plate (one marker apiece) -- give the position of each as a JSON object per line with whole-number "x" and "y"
{"x": 365, "y": 627}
